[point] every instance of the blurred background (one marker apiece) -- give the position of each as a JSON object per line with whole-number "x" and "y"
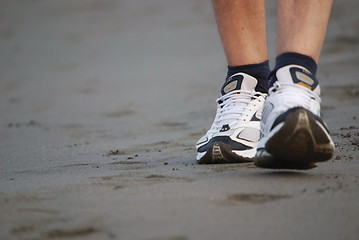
{"x": 88, "y": 85}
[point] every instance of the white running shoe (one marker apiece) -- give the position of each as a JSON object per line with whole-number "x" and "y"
{"x": 294, "y": 135}
{"x": 235, "y": 132}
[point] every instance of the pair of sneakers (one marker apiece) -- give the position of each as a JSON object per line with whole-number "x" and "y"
{"x": 281, "y": 129}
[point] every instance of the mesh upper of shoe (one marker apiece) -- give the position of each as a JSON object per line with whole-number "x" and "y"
{"x": 239, "y": 110}
{"x": 287, "y": 93}
{"x": 234, "y": 108}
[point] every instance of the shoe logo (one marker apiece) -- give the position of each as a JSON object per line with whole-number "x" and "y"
{"x": 230, "y": 86}
{"x": 256, "y": 116}
{"x": 303, "y": 78}
{"x": 225, "y": 128}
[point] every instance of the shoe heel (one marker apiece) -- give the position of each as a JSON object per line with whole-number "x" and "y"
{"x": 300, "y": 142}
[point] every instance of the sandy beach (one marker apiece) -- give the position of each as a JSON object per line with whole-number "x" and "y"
{"x": 102, "y": 102}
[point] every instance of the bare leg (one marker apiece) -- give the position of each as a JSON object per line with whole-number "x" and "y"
{"x": 302, "y": 26}
{"x": 241, "y": 25}
{"x": 293, "y": 135}
{"x": 235, "y": 131}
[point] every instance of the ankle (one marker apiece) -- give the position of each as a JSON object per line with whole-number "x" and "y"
{"x": 290, "y": 58}
{"x": 259, "y": 71}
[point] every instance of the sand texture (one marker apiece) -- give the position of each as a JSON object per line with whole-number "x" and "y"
{"x": 102, "y": 102}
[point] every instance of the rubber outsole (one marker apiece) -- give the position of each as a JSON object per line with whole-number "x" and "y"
{"x": 299, "y": 144}
{"x": 221, "y": 153}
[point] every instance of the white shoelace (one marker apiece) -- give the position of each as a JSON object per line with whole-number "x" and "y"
{"x": 232, "y": 106}
{"x": 292, "y": 95}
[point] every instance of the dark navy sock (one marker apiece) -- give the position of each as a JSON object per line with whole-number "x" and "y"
{"x": 289, "y": 58}
{"x": 260, "y": 71}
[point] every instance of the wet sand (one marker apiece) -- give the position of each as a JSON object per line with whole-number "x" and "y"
{"x": 101, "y": 103}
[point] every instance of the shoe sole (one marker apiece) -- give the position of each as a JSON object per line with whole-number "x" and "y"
{"x": 221, "y": 153}
{"x": 299, "y": 144}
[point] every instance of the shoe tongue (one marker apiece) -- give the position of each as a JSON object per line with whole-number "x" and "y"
{"x": 295, "y": 74}
{"x": 239, "y": 81}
